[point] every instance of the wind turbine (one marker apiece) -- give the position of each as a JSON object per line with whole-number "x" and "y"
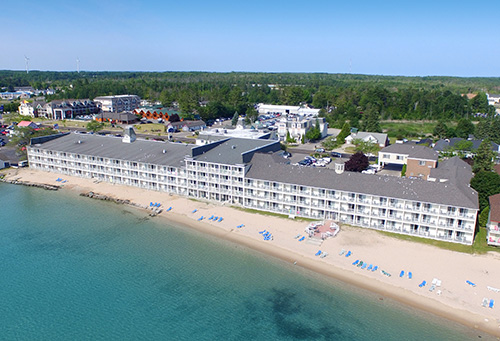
{"x": 78, "y": 64}
{"x": 27, "y": 60}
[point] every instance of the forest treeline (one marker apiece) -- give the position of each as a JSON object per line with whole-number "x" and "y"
{"x": 341, "y": 96}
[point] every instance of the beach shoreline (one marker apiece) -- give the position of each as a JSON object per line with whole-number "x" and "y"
{"x": 458, "y": 301}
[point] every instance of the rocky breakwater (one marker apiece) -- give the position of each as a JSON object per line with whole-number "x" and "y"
{"x": 98, "y": 196}
{"x": 30, "y": 184}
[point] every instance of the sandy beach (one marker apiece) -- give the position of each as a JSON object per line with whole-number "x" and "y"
{"x": 453, "y": 299}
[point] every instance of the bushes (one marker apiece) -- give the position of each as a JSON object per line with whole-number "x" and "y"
{"x": 483, "y": 216}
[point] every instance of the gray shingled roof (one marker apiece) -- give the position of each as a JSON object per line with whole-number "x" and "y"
{"x": 264, "y": 168}
{"x": 113, "y": 147}
{"x": 412, "y": 150}
{"x": 230, "y": 152}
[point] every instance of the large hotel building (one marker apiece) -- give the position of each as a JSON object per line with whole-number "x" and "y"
{"x": 250, "y": 173}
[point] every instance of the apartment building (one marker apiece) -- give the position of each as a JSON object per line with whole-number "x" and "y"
{"x": 119, "y": 103}
{"x": 249, "y": 173}
{"x": 67, "y": 109}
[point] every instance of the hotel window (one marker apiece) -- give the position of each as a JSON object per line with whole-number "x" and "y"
{"x": 421, "y": 163}
{"x": 399, "y": 157}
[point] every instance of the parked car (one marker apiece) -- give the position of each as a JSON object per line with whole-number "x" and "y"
{"x": 369, "y": 171}
{"x": 335, "y": 154}
{"x": 319, "y": 150}
{"x": 285, "y": 154}
{"x": 305, "y": 163}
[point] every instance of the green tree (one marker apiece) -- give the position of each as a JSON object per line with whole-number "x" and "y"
{"x": 464, "y": 128}
{"x": 486, "y": 184}
{"x": 329, "y": 143}
{"x": 371, "y": 121}
{"x": 346, "y": 131}
{"x": 289, "y": 138}
{"x": 483, "y": 161}
{"x": 441, "y": 130}
{"x": 94, "y": 126}
{"x": 314, "y": 133}
{"x": 251, "y": 115}
{"x": 234, "y": 121}
{"x": 365, "y": 147}
{"x": 483, "y": 216}
{"x": 403, "y": 171}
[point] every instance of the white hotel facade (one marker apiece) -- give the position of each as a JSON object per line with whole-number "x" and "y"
{"x": 248, "y": 173}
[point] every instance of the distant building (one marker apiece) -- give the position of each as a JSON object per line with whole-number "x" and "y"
{"x": 211, "y": 135}
{"x": 117, "y": 117}
{"x": 286, "y": 110}
{"x": 493, "y": 225}
{"x": 31, "y": 108}
{"x": 68, "y": 108}
{"x": 380, "y": 139}
{"x": 450, "y": 145}
{"x": 298, "y": 127}
{"x": 27, "y": 124}
{"x": 493, "y": 99}
{"x": 186, "y": 125}
{"x": 119, "y": 103}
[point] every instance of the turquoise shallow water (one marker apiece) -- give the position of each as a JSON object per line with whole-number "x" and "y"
{"x": 77, "y": 269}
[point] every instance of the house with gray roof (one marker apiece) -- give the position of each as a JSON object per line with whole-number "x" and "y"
{"x": 419, "y": 159}
{"x": 250, "y": 173}
{"x": 380, "y": 139}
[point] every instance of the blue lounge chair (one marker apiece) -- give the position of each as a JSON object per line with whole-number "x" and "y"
{"x": 375, "y": 268}
{"x": 168, "y": 209}
{"x": 355, "y": 262}
{"x": 410, "y": 275}
{"x": 301, "y": 239}
{"x": 220, "y": 219}
{"x": 63, "y": 182}
{"x": 492, "y": 302}
{"x": 348, "y": 253}
{"x": 200, "y": 218}
{"x": 318, "y": 253}
{"x": 262, "y": 232}
{"x": 58, "y": 179}
{"x": 422, "y": 284}
{"x": 402, "y": 273}
{"x": 151, "y": 204}
{"x": 364, "y": 266}
{"x": 240, "y": 226}
{"x": 194, "y": 211}
{"x": 215, "y": 219}
{"x": 370, "y": 267}
{"x": 211, "y": 217}
{"x": 470, "y": 283}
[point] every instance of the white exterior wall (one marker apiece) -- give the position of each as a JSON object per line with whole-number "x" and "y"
{"x": 385, "y": 157}
{"x": 227, "y": 183}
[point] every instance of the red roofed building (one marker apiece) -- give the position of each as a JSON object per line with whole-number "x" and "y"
{"x": 28, "y": 124}
{"x": 493, "y": 225}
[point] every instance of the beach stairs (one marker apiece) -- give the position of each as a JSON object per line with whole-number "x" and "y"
{"x": 314, "y": 241}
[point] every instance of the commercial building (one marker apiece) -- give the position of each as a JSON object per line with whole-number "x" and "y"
{"x": 249, "y": 173}
{"x": 286, "y": 110}
{"x": 118, "y": 103}
{"x": 298, "y": 126}
{"x": 67, "y": 109}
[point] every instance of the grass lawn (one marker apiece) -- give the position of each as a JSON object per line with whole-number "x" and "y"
{"x": 272, "y": 214}
{"x": 479, "y": 247}
{"x": 150, "y": 128}
{"x": 410, "y": 129}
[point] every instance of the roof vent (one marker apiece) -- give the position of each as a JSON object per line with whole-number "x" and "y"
{"x": 164, "y": 151}
{"x": 79, "y": 141}
{"x": 233, "y": 147}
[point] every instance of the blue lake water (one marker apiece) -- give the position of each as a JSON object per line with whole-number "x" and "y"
{"x": 77, "y": 269}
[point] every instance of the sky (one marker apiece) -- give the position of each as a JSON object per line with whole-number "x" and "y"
{"x": 417, "y": 38}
